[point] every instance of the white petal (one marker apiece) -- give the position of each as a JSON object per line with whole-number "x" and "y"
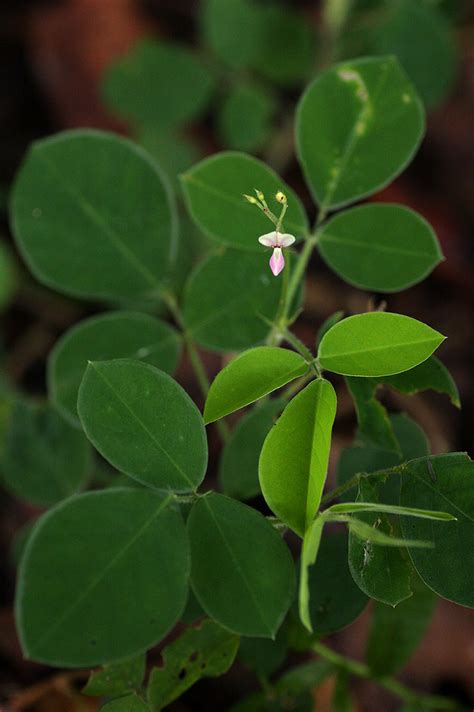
{"x": 286, "y": 240}
{"x": 269, "y": 240}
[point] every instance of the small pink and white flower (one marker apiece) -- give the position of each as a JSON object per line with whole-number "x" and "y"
{"x": 277, "y": 240}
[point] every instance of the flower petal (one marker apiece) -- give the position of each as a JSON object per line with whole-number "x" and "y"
{"x": 285, "y": 240}
{"x": 277, "y": 261}
{"x": 269, "y": 240}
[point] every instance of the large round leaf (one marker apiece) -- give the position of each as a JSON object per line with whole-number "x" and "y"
{"x": 158, "y": 84}
{"x": 249, "y": 376}
{"x": 358, "y": 126}
{"x": 377, "y": 344}
{"x": 44, "y": 458}
{"x": 93, "y": 217}
{"x": 214, "y": 191}
{"x": 144, "y": 424}
{"x": 242, "y": 571}
{"x": 104, "y": 337}
{"x": 380, "y": 247}
{"x": 104, "y": 576}
{"x": 446, "y": 482}
{"x": 228, "y": 300}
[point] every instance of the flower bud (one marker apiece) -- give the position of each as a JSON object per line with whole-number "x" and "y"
{"x": 281, "y": 197}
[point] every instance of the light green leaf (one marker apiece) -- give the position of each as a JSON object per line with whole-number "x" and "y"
{"x": 309, "y": 553}
{"x": 377, "y": 344}
{"x": 445, "y": 481}
{"x": 214, "y": 190}
{"x": 238, "y": 467}
{"x": 138, "y": 576}
{"x": 431, "y": 374}
{"x": 129, "y": 703}
{"x": 229, "y": 300}
{"x": 139, "y": 419}
{"x": 294, "y": 458}
{"x": 249, "y": 376}
{"x": 158, "y": 84}
{"x": 422, "y": 39}
{"x": 207, "y": 651}
{"x": 107, "y": 336}
{"x": 83, "y": 238}
{"x": 396, "y": 632}
{"x": 358, "y": 126}
{"x": 353, "y": 507}
{"x": 380, "y": 247}
{"x": 45, "y": 460}
{"x": 242, "y": 572}
{"x": 379, "y": 567}
{"x": 334, "y": 599}
{"x": 245, "y": 117}
{"x": 117, "y": 678}
{"x": 373, "y": 420}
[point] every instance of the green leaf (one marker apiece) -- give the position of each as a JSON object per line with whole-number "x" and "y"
{"x": 359, "y": 459}
{"x": 299, "y": 445}
{"x": 411, "y": 438}
{"x": 358, "y": 126}
{"x": 396, "y": 632}
{"x": 173, "y": 153}
{"x": 334, "y": 599}
{"x": 144, "y": 424}
{"x": 353, "y": 507}
{"x": 381, "y": 571}
{"x": 245, "y": 117}
{"x": 380, "y": 247}
{"x": 423, "y": 41}
{"x": 107, "y": 336}
{"x": 250, "y": 376}
{"x": 232, "y": 30}
{"x": 92, "y": 216}
{"x": 432, "y": 374}
{"x": 229, "y": 300}
{"x": 328, "y": 324}
{"x": 238, "y": 467}
{"x": 117, "y": 678}
{"x": 242, "y": 572}
{"x": 158, "y": 84}
{"x": 309, "y": 553}
{"x": 445, "y": 481}
{"x": 129, "y": 703}
{"x": 377, "y": 344}
{"x": 45, "y": 460}
{"x": 372, "y": 417}
{"x": 214, "y": 190}
{"x": 262, "y": 655}
{"x": 193, "y": 610}
{"x": 207, "y": 651}
{"x": 101, "y": 603}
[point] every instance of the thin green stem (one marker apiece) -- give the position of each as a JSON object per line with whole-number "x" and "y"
{"x": 358, "y": 669}
{"x": 298, "y": 346}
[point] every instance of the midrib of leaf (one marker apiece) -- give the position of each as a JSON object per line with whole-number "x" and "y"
{"x": 145, "y": 429}
{"x": 236, "y": 202}
{"x": 102, "y": 574}
{"x": 90, "y": 212}
{"x": 400, "y": 345}
{"x": 314, "y": 455}
{"x": 373, "y": 246}
{"x": 238, "y": 568}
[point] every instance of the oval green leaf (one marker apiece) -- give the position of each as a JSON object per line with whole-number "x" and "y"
{"x": 358, "y": 126}
{"x": 445, "y": 482}
{"x": 294, "y": 458}
{"x": 129, "y": 703}
{"x": 242, "y": 572}
{"x": 144, "y": 424}
{"x": 251, "y": 375}
{"x": 238, "y": 467}
{"x": 103, "y": 337}
{"x": 214, "y": 190}
{"x": 158, "y": 84}
{"x": 102, "y": 603}
{"x": 245, "y": 117}
{"x": 44, "y": 459}
{"x": 117, "y": 678}
{"x": 381, "y": 247}
{"x": 377, "y": 344}
{"x": 229, "y": 300}
{"x": 92, "y": 216}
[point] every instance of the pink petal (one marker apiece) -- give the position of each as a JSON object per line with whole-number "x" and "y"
{"x": 269, "y": 240}
{"x": 277, "y": 261}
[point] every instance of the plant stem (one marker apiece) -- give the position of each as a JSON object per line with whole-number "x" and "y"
{"x": 358, "y": 669}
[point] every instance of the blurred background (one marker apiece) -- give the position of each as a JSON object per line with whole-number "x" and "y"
{"x": 111, "y": 64}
